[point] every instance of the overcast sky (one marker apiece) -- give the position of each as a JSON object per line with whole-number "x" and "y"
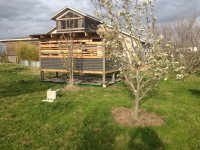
{"x": 20, "y": 18}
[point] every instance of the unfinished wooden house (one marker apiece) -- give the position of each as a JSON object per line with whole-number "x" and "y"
{"x": 74, "y": 36}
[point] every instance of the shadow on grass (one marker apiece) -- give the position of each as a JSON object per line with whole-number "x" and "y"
{"x": 21, "y": 87}
{"x": 96, "y": 134}
{"x": 194, "y": 92}
{"x": 18, "y": 80}
{"x": 145, "y": 139}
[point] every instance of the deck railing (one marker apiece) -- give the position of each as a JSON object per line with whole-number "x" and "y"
{"x": 75, "y": 49}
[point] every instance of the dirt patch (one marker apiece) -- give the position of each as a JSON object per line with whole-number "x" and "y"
{"x": 125, "y": 116}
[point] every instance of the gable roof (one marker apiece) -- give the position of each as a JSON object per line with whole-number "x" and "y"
{"x": 51, "y": 30}
{"x": 19, "y": 39}
{"x": 65, "y": 9}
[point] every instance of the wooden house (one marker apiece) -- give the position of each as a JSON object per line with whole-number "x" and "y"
{"x": 77, "y": 30}
{"x": 11, "y": 47}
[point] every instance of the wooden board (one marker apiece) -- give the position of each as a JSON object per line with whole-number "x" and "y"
{"x": 63, "y": 71}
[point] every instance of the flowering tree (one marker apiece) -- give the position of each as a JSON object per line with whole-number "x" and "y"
{"x": 184, "y": 35}
{"x": 68, "y": 55}
{"x": 141, "y": 59}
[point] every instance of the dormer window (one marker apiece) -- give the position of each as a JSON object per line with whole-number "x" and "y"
{"x": 70, "y": 21}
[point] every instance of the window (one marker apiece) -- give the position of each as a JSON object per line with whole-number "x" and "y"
{"x": 73, "y": 23}
{"x": 63, "y": 24}
{"x": 70, "y": 20}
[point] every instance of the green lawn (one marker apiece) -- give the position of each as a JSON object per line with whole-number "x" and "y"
{"x": 83, "y": 120}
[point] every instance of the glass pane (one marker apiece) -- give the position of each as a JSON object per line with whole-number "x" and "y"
{"x": 74, "y": 23}
{"x": 63, "y": 24}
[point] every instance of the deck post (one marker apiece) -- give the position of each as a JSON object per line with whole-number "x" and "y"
{"x": 113, "y": 77}
{"x": 104, "y": 69}
{"x": 42, "y": 75}
{"x": 104, "y": 80}
{"x": 104, "y": 73}
{"x": 57, "y": 74}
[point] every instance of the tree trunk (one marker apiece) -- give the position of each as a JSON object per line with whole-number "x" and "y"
{"x": 137, "y": 95}
{"x": 137, "y": 107}
{"x": 72, "y": 68}
{"x": 71, "y": 82}
{"x": 72, "y": 78}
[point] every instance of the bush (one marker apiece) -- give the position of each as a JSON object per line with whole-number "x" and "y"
{"x": 27, "y": 51}
{"x": 3, "y": 56}
{"x": 34, "y": 53}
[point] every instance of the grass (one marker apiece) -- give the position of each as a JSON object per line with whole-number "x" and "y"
{"x": 83, "y": 120}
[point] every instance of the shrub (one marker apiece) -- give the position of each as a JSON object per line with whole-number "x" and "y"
{"x": 27, "y": 51}
{"x": 34, "y": 53}
{"x": 3, "y": 56}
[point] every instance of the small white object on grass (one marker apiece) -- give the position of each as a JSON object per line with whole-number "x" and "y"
{"x": 104, "y": 86}
{"x": 51, "y": 96}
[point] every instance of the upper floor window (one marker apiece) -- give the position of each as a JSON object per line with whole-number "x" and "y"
{"x": 70, "y": 21}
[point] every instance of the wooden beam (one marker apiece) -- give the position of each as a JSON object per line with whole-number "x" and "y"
{"x": 76, "y": 71}
{"x": 71, "y": 29}
{"x": 75, "y": 56}
{"x": 74, "y": 18}
{"x": 111, "y": 71}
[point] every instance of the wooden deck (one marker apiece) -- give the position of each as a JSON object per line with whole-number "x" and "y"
{"x": 87, "y": 50}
